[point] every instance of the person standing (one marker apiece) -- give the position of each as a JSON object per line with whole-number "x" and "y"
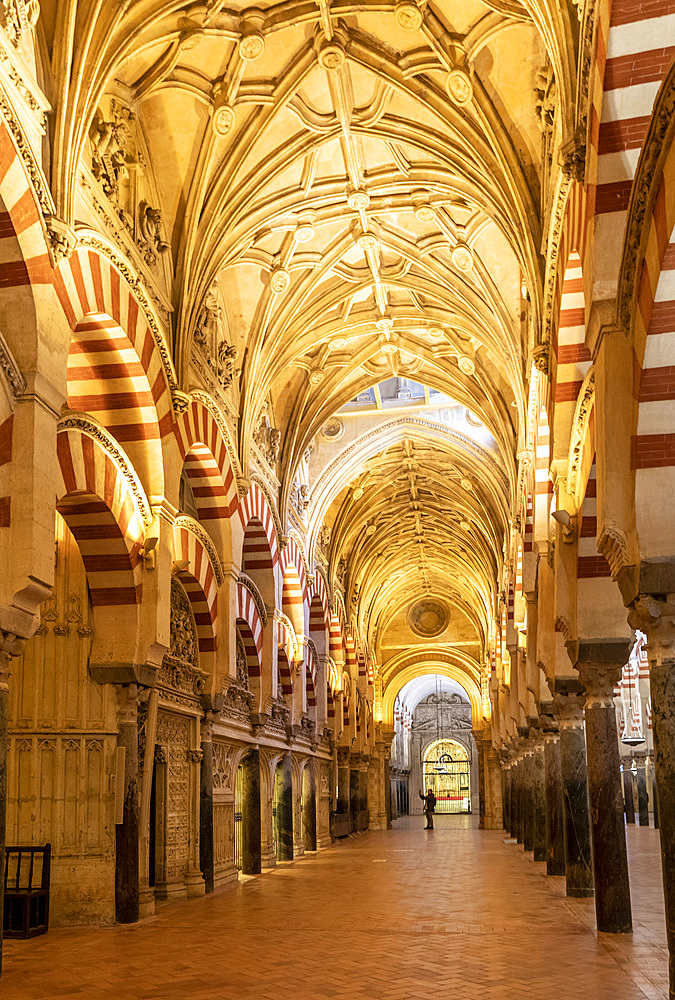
{"x": 429, "y": 805}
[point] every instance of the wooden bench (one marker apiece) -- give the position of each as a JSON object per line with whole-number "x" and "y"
{"x": 26, "y": 910}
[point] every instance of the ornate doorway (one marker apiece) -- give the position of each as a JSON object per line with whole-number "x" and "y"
{"x": 447, "y": 772}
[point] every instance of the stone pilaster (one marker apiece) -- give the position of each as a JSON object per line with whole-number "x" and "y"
{"x": 600, "y": 666}
{"x": 528, "y": 800}
{"x": 576, "y": 819}
{"x": 126, "y": 832}
{"x": 657, "y": 620}
{"x": 206, "y": 804}
{"x": 10, "y": 645}
{"x": 555, "y": 835}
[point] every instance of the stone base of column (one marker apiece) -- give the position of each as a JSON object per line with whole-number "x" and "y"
{"x": 323, "y": 840}
{"x": 194, "y": 884}
{"x": 225, "y": 874}
{"x": 146, "y": 902}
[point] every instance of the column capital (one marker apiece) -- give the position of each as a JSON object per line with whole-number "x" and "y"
{"x": 569, "y": 709}
{"x": 656, "y": 618}
{"x": 129, "y": 696}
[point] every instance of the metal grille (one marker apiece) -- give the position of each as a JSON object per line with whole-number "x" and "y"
{"x": 239, "y": 818}
{"x": 448, "y": 775}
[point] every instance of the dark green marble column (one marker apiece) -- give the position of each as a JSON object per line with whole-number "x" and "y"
{"x": 555, "y": 835}
{"x": 576, "y": 818}
{"x": 539, "y": 802}
{"x": 251, "y": 830}
{"x": 642, "y": 794}
{"x": 628, "y": 803}
{"x": 285, "y": 810}
{"x": 206, "y": 807}
{"x": 528, "y": 801}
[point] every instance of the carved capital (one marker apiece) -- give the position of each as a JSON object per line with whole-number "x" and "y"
{"x": 569, "y": 710}
{"x": 195, "y": 756}
{"x": 656, "y": 618}
{"x": 129, "y": 697}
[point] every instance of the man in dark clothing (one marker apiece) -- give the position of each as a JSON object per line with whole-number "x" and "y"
{"x": 429, "y": 805}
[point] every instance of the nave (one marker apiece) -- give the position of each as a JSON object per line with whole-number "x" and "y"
{"x": 455, "y": 913}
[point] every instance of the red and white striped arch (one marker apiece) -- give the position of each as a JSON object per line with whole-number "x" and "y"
{"x": 200, "y": 581}
{"x": 250, "y": 628}
{"x": 207, "y": 462}
{"x": 311, "y": 669}
{"x": 336, "y": 646}
{"x": 97, "y": 503}
{"x": 261, "y": 546}
{"x": 285, "y": 670}
{"x": 89, "y": 284}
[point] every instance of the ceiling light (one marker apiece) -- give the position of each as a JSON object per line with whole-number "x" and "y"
{"x": 466, "y": 364}
{"x": 408, "y": 15}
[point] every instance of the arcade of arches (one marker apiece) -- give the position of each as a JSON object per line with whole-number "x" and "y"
{"x": 337, "y": 435}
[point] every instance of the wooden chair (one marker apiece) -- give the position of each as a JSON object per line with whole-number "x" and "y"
{"x": 26, "y": 910}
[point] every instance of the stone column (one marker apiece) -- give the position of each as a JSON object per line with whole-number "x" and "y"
{"x": 309, "y": 807}
{"x": 482, "y": 792}
{"x": 354, "y": 791}
{"x": 507, "y": 777}
{"x": 520, "y": 832}
{"x": 657, "y": 620}
{"x": 539, "y": 801}
{"x": 251, "y": 861}
{"x": 528, "y": 801}
{"x": 555, "y": 836}
{"x": 343, "y": 779}
{"x": 628, "y": 804}
{"x": 206, "y": 804}
{"x": 493, "y": 787}
{"x": 600, "y": 666}
{"x": 513, "y": 818}
{"x": 126, "y": 832}
{"x": 10, "y": 646}
{"x": 576, "y": 820}
{"x": 642, "y": 794}
{"x": 285, "y": 810}
{"x": 363, "y": 792}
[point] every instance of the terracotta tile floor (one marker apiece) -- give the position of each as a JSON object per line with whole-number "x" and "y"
{"x": 385, "y": 916}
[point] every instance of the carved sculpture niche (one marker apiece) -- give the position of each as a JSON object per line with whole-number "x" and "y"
{"x": 268, "y": 438}
{"x": 209, "y": 339}
{"x": 118, "y": 165}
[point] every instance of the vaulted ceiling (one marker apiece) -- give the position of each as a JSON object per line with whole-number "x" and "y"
{"x": 361, "y": 185}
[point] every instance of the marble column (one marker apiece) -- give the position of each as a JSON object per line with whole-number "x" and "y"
{"x": 251, "y": 853}
{"x": 576, "y": 819}
{"x": 555, "y": 835}
{"x": 600, "y": 666}
{"x": 343, "y": 780}
{"x": 285, "y": 810}
{"x": 655, "y": 801}
{"x": 126, "y": 832}
{"x": 506, "y": 796}
{"x": 657, "y": 619}
{"x": 515, "y": 798}
{"x": 528, "y": 800}
{"x": 482, "y": 791}
{"x": 355, "y": 792}
{"x": 309, "y": 807}
{"x": 642, "y": 794}
{"x": 520, "y": 832}
{"x": 206, "y": 805}
{"x": 628, "y": 803}
{"x": 539, "y": 802}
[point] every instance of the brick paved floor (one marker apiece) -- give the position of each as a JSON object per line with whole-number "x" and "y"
{"x": 456, "y": 914}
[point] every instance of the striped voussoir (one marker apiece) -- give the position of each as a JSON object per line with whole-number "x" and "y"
{"x": 261, "y": 548}
{"x": 543, "y": 486}
{"x": 284, "y": 662}
{"x": 310, "y": 670}
{"x": 207, "y": 463}
{"x": 529, "y": 525}
{"x": 590, "y": 563}
{"x": 24, "y": 258}
{"x": 292, "y": 603}
{"x": 335, "y": 642}
{"x": 330, "y": 702}
{"x": 632, "y": 70}
{"x": 292, "y": 557}
{"x": 574, "y": 359}
{"x": 200, "y": 583}
{"x": 350, "y": 647}
{"x": 6, "y": 435}
{"x": 250, "y": 628}
{"x": 98, "y": 506}
{"x": 108, "y": 322}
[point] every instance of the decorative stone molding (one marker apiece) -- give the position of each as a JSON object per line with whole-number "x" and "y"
{"x": 87, "y": 425}
{"x": 247, "y": 582}
{"x": 10, "y": 370}
{"x": 582, "y": 415}
{"x": 552, "y": 264}
{"x": 259, "y": 481}
{"x": 613, "y": 545}
{"x": 643, "y": 195}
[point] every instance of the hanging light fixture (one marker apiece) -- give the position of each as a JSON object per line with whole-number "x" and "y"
{"x": 632, "y": 740}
